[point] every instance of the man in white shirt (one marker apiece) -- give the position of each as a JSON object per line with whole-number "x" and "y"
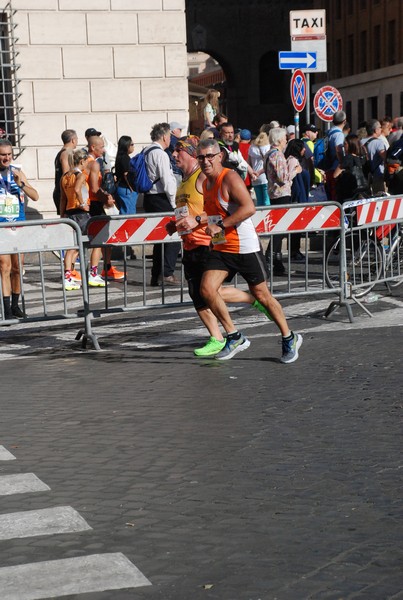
{"x": 161, "y": 198}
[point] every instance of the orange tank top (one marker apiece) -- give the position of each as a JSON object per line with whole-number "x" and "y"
{"x": 93, "y": 197}
{"x": 68, "y": 183}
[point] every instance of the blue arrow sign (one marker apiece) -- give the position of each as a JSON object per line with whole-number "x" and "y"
{"x": 297, "y": 60}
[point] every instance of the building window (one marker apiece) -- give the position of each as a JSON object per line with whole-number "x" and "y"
{"x": 9, "y": 96}
{"x": 348, "y": 111}
{"x": 350, "y": 55}
{"x": 363, "y": 52}
{"x": 372, "y": 107}
{"x": 337, "y": 62}
{"x": 377, "y": 47}
{"x": 360, "y": 111}
{"x": 391, "y": 43}
{"x": 388, "y": 104}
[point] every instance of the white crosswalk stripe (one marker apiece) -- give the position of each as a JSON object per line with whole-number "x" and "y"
{"x": 46, "y": 521}
{"x": 57, "y": 578}
{"x": 5, "y": 454}
{"x": 21, "y": 484}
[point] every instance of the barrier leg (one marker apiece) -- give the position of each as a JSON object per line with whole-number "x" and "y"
{"x": 340, "y": 304}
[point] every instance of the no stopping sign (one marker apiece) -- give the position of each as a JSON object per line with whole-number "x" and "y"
{"x": 298, "y": 90}
{"x": 327, "y": 101}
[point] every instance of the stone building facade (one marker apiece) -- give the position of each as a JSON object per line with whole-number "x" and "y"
{"x": 117, "y": 65}
{"x": 365, "y": 56}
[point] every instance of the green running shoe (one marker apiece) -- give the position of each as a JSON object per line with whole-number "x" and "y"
{"x": 212, "y": 347}
{"x": 262, "y": 309}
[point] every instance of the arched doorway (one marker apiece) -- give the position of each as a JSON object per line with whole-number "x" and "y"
{"x": 204, "y": 73}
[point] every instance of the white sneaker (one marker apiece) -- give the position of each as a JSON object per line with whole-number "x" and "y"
{"x": 96, "y": 281}
{"x": 70, "y": 284}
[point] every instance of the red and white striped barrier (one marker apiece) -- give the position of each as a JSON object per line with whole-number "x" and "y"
{"x": 134, "y": 230}
{"x": 296, "y": 218}
{"x": 141, "y": 229}
{"x": 376, "y": 210}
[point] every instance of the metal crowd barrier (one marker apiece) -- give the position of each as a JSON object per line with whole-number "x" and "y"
{"x": 44, "y": 297}
{"x": 320, "y": 222}
{"x": 347, "y": 250}
{"x": 373, "y": 247}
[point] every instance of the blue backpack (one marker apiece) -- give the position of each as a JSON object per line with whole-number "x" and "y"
{"x": 138, "y": 177}
{"x": 322, "y": 156}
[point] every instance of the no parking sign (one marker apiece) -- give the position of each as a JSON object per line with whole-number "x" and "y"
{"x": 298, "y": 90}
{"x": 327, "y": 101}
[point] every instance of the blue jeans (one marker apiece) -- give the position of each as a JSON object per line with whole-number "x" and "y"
{"x": 126, "y": 200}
{"x": 262, "y": 195}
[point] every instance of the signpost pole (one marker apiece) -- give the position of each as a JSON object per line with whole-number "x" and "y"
{"x": 296, "y": 123}
{"x": 308, "y": 98}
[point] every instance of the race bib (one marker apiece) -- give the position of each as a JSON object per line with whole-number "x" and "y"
{"x": 180, "y": 213}
{"x": 218, "y": 238}
{"x": 9, "y": 205}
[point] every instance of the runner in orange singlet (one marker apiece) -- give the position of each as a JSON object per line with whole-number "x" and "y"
{"x": 196, "y": 244}
{"x": 228, "y": 209}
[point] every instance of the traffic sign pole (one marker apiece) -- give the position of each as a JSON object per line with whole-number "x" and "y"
{"x": 296, "y": 123}
{"x": 308, "y": 98}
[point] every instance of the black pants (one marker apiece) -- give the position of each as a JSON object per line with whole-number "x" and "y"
{"x": 156, "y": 203}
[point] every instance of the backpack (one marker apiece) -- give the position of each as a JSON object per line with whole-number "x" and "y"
{"x": 394, "y": 167}
{"x": 138, "y": 177}
{"x": 322, "y": 154}
{"x": 351, "y": 180}
{"x": 358, "y": 173}
{"x": 367, "y": 164}
{"x": 320, "y": 151}
{"x": 108, "y": 184}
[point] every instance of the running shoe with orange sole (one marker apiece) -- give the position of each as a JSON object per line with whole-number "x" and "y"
{"x": 113, "y": 274}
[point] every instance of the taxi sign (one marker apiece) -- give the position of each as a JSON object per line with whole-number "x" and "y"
{"x": 307, "y": 23}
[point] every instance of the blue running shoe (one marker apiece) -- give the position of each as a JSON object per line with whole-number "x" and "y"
{"x": 290, "y": 348}
{"x": 232, "y": 347}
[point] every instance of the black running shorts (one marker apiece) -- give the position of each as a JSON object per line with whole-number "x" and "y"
{"x": 194, "y": 262}
{"x": 252, "y": 266}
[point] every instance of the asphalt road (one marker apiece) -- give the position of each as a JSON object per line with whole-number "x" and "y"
{"x": 241, "y": 480}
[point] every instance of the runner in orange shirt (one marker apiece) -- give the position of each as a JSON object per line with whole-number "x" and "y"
{"x": 196, "y": 244}
{"x": 228, "y": 208}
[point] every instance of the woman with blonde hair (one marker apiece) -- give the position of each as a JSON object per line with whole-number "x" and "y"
{"x": 259, "y": 147}
{"x": 207, "y": 134}
{"x": 210, "y": 107}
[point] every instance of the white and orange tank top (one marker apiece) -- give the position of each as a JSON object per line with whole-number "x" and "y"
{"x": 188, "y": 195}
{"x": 68, "y": 183}
{"x": 240, "y": 239}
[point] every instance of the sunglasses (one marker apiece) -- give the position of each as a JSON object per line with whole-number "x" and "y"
{"x": 209, "y": 157}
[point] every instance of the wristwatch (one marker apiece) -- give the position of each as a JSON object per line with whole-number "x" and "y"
{"x": 220, "y": 223}
{"x": 198, "y": 219}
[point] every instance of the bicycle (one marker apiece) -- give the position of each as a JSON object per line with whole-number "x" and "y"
{"x": 367, "y": 258}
